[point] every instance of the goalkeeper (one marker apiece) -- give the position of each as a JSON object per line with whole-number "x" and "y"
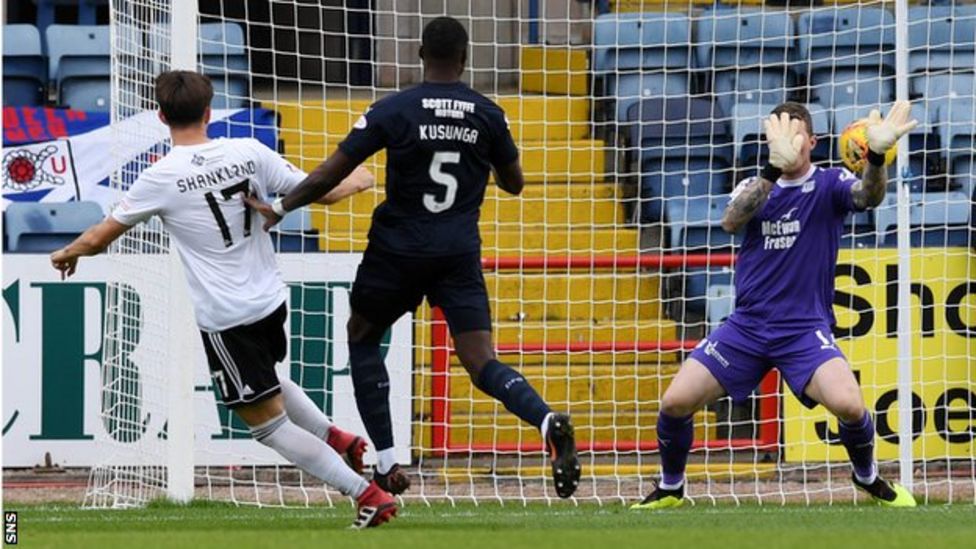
{"x": 793, "y": 215}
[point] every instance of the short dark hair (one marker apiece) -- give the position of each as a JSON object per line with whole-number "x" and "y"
{"x": 797, "y": 111}
{"x": 183, "y": 97}
{"x": 444, "y": 40}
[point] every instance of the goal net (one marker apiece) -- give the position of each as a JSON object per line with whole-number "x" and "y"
{"x": 634, "y": 121}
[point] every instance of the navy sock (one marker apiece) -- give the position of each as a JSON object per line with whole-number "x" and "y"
{"x": 511, "y": 389}
{"x": 371, "y": 384}
{"x": 858, "y": 438}
{"x": 674, "y": 438}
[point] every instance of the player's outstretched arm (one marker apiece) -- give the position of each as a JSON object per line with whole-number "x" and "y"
{"x": 882, "y": 136}
{"x": 323, "y": 179}
{"x": 358, "y": 181}
{"x": 91, "y": 242}
{"x": 509, "y": 178}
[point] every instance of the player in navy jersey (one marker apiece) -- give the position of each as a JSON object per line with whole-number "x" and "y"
{"x": 793, "y": 215}
{"x": 442, "y": 139}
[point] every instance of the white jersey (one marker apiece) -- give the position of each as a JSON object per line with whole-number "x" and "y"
{"x": 198, "y": 192}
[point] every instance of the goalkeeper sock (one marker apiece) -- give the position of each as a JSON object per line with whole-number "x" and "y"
{"x": 674, "y": 438}
{"x": 310, "y": 454}
{"x": 858, "y": 438}
{"x": 302, "y": 411}
{"x": 509, "y": 387}
{"x": 371, "y": 384}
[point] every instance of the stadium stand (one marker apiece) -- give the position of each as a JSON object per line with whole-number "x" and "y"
{"x": 24, "y": 67}
{"x": 849, "y": 54}
{"x": 80, "y": 65}
{"x": 224, "y": 59}
{"x": 32, "y": 227}
{"x": 747, "y": 53}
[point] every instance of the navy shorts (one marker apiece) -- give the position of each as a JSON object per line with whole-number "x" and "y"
{"x": 390, "y": 285}
{"x": 739, "y": 357}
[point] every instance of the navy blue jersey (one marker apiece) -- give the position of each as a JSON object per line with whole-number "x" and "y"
{"x": 441, "y": 141}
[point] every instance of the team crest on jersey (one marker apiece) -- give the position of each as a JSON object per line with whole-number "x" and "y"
{"x": 361, "y": 122}
{"x": 198, "y": 160}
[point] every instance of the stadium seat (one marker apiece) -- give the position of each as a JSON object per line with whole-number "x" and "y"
{"x": 747, "y": 53}
{"x": 848, "y": 54}
{"x": 936, "y": 219}
{"x": 639, "y": 55}
{"x": 683, "y": 150}
{"x": 720, "y": 304}
{"x": 224, "y": 59}
{"x": 295, "y": 234}
{"x": 24, "y": 66}
{"x": 33, "y": 227}
{"x": 749, "y": 138}
{"x": 942, "y": 38}
{"x": 80, "y": 63}
{"x": 696, "y": 224}
{"x": 957, "y": 127}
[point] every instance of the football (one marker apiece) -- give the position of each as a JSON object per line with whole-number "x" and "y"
{"x": 854, "y": 147}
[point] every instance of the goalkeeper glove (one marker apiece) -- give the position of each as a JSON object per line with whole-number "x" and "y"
{"x": 883, "y": 134}
{"x": 785, "y": 141}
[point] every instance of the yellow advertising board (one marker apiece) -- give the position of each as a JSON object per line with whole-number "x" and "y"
{"x": 943, "y": 339}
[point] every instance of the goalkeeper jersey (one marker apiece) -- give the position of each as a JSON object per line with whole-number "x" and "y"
{"x": 198, "y": 193}
{"x": 784, "y": 274}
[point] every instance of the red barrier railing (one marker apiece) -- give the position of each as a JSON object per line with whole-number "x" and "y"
{"x": 768, "y": 400}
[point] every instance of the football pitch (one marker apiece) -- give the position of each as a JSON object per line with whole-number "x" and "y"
{"x": 466, "y": 526}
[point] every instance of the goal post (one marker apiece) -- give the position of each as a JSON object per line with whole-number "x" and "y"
{"x": 634, "y": 121}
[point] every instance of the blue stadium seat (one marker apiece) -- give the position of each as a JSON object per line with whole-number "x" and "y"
{"x": 224, "y": 59}
{"x": 638, "y": 55}
{"x": 630, "y": 89}
{"x": 24, "y": 66}
{"x": 749, "y": 135}
{"x": 684, "y": 150}
{"x": 849, "y": 54}
{"x": 45, "y": 227}
{"x": 628, "y": 41}
{"x": 80, "y": 63}
{"x": 695, "y": 223}
{"x": 295, "y": 233}
{"x": 720, "y": 304}
{"x": 748, "y": 53}
{"x": 936, "y": 219}
{"x": 942, "y": 38}
{"x": 957, "y": 127}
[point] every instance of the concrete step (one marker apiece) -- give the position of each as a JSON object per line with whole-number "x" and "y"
{"x": 578, "y": 389}
{"x": 558, "y": 70}
{"x": 555, "y": 205}
{"x": 577, "y": 296}
{"x": 576, "y": 161}
{"x": 528, "y": 242}
{"x": 505, "y": 428}
{"x": 531, "y": 118}
{"x": 583, "y": 332}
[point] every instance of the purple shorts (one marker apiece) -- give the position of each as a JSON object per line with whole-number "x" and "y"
{"x": 739, "y": 357}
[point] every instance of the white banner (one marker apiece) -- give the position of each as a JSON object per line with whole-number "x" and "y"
{"x": 53, "y": 342}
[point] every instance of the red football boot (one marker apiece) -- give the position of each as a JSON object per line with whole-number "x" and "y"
{"x": 374, "y": 507}
{"x": 351, "y": 447}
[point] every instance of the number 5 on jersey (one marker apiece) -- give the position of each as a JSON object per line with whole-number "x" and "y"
{"x": 437, "y": 175}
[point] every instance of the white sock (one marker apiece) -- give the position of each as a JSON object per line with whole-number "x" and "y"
{"x": 665, "y": 486}
{"x": 544, "y": 429}
{"x": 870, "y": 479}
{"x": 302, "y": 411}
{"x": 385, "y": 460}
{"x": 310, "y": 454}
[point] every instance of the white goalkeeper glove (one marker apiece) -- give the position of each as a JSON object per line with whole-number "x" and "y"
{"x": 883, "y": 134}
{"x": 784, "y": 140}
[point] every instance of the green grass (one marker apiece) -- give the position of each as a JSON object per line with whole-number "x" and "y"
{"x": 468, "y": 527}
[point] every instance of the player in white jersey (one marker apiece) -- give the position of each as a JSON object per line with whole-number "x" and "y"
{"x": 198, "y": 191}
